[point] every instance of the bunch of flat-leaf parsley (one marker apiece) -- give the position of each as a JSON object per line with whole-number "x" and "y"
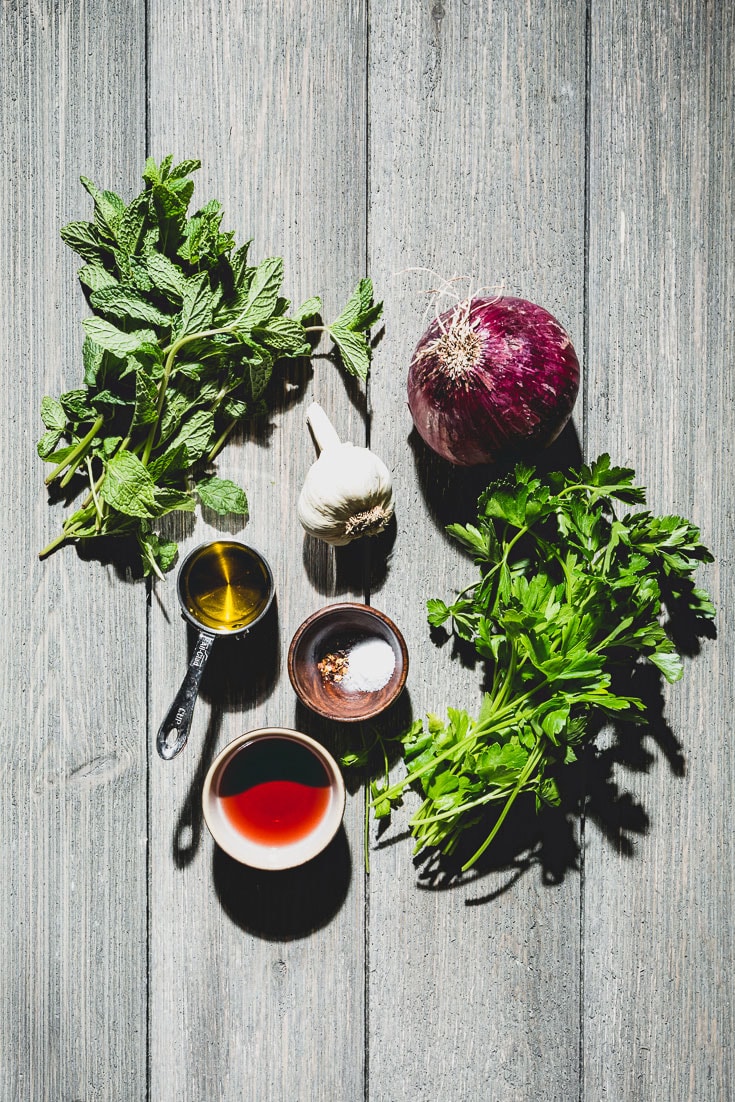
{"x": 569, "y": 594}
{"x": 179, "y": 351}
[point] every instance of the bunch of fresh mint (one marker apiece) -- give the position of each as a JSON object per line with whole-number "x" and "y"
{"x": 179, "y": 351}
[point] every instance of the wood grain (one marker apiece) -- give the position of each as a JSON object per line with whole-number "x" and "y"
{"x": 72, "y": 749}
{"x": 658, "y": 931}
{"x": 257, "y": 979}
{"x": 476, "y": 170}
{"x": 577, "y": 154}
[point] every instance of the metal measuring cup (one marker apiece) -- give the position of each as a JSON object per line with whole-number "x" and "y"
{"x": 210, "y": 586}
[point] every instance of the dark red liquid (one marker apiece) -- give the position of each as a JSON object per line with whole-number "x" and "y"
{"x": 274, "y": 791}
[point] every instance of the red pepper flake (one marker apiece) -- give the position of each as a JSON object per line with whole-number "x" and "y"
{"x": 333, "y": 666}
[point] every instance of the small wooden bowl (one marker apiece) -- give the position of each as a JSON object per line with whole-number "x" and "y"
{"x": 337, "y": 628}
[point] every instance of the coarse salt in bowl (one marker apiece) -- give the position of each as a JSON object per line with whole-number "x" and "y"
{"x": 348, "y": 662}
{"x": 369, "y": 665}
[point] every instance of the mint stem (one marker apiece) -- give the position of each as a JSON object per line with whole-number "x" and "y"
{"x": 54, "y": 544}
{"x": 76, "y": 453}
{"x": 172, "y": 352}
{"x": 221, "y": 441}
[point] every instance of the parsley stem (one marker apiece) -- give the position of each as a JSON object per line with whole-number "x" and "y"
{"x": 503, "y": 561}
{"x": 510, "y": 674}
{"x": 623, "y": 626}
{"x": 474, "y": 585}
{"x": 485, "y": 728}
{"x": 533, "y": 759}
{"x": 495, "y": 794}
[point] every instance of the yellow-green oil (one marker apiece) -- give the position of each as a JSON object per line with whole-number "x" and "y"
{"x": 226, "y": 586}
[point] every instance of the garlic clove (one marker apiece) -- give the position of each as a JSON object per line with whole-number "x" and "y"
{"x": 323, "y": 431}
{"x": 348, "y": 491}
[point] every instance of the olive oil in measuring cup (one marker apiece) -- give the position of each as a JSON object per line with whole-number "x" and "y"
{"x": 225, "y": 587}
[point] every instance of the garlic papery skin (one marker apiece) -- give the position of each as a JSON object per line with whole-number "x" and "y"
{"x": 348, "y": 491}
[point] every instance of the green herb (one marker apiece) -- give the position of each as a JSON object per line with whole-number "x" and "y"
{"x": 569, "y": 597}
{"x": 180, "y": 350}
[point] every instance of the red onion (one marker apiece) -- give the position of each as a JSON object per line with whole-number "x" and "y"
{"x": 492, "y": 376}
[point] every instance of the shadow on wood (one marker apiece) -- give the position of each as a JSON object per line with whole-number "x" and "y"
{"x": 284, "y": 906}
{"x": 334, "y": 571}
{"x": 590, "y": 789}
{"x": 359, "y": 567}
{"x": 451, "y": 492}
{"x": 120, "y": 552}
{"x": 370, "y": 744}
{"x": 243, "y": 671}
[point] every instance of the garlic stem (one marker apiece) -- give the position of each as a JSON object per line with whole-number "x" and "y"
{"x": 322, "y": 429}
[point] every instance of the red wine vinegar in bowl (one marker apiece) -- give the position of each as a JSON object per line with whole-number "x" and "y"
{"x": 274, "y": 798}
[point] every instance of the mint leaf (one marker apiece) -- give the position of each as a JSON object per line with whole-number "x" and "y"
{"x": 222, "y": 495}
{"x": 183, "y": 342}
{"x": 146, "y": 397}
{"x": 128, "y": 487}
{"x": 96, "y": 277}
{"x": 349, "y": 329}
{"x": 196, "y": 307}
{"x": 132, "y": 225}
{"x": 52, "y": 414}
{"x": 166, "y": 276}
{"x": 84, "y": 239}
{"x": 236, "y": 409}
{"x": 309, "y": 309}
{"x": 169, "y": 465}
{"x": 76, "y": 405}
{"x": 195, "y": 435}
{"x": 262, "y": 294}
{"x": 123, "y": 303}
{"x": 353, "y": 349}
{"x": 108, "y": 208}
{"x": 169, "y": 500}
{"x": 284, "y": 335}
{"x": 257, "y": 370}
{"x": 115, "y": 340}
{"x": 158, "y": 555}
{"x": 152, "y": 173}
{"x": 184, "y": 169}
{"x": 46, "y": 446}
{"x": 360, "y": 311}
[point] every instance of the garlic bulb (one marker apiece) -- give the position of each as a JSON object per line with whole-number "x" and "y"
{"x": 348, "y": 491}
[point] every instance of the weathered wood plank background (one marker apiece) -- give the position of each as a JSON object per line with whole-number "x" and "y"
{"x": 579, "y": 154}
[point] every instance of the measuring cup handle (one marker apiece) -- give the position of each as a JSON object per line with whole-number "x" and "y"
{"x": 174, "y": 731}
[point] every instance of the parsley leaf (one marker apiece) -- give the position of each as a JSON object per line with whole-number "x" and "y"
{"x": 569, "y": 598}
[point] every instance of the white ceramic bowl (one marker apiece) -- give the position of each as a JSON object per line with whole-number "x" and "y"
{"x": 246, "y": 768}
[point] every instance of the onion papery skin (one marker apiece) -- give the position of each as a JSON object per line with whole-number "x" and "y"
{"x": 492, "y": 377}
